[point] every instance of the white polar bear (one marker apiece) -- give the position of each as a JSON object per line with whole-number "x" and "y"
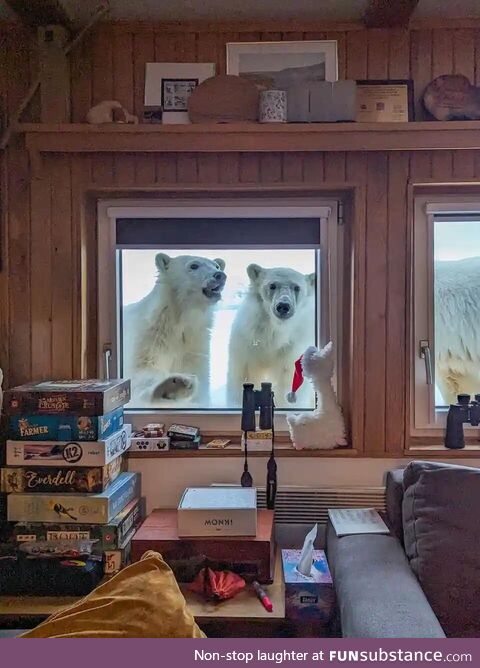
{"x": 166, "y": 335}
{"x": 457, "y": 327}
{"x": 273, "y": 326}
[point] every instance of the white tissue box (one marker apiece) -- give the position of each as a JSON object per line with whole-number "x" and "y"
{"x": 311, "y": 599}
{"x": 218, "y": 511}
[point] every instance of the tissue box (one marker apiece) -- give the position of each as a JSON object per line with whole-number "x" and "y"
{"x": 218, "y": 511}
{"x": 308, "y": 599}
{"x": 322, "y": 102}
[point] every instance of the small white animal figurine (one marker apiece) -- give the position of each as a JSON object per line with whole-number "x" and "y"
{"x": 323, "y": 428}
{"x": 110, "y": 111}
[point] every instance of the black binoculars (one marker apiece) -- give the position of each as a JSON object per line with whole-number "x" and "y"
{"x": 257, "y": 399}
{"x": 465, "y": 411}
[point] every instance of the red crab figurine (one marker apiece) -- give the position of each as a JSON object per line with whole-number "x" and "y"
{"x": 217, "y": 585}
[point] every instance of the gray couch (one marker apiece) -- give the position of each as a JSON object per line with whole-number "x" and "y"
{"x": 388, "y": 586}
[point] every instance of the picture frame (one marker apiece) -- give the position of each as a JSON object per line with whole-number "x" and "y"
{"x": 385, "y": 101}
{"x": 277, "y": 65}
{"x": 168, "y": 86}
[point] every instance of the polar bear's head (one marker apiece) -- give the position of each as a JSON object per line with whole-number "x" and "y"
{"x": 192, "y": 276}
{"x": 282, "y": 290}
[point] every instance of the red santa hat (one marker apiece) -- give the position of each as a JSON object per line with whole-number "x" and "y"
{"x": 296, "y": 381}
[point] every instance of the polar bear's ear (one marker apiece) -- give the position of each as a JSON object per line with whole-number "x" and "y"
{"x": 162, "y": 261}
{"x": 311, "y": 280}
{"x": 220, "y": 262}
{"x": 254, "y": 272}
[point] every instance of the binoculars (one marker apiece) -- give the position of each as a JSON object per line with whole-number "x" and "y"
{"x": 465, "y": 411}
{"x": 257, "y": 399}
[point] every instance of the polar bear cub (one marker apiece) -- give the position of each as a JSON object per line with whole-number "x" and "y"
{"x": 166, "y": 335}
{"x": 274, "y": 325}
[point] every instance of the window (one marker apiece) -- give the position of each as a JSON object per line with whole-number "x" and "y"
{"x": 196, "y": 298}
{"x": 446, "y": 346}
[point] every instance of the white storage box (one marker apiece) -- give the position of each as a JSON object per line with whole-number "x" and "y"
{"x": 218, "y": 511}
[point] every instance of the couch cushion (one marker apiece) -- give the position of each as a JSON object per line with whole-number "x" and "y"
{"x": 442, "y": 534}
{"x": 378, "y": 595}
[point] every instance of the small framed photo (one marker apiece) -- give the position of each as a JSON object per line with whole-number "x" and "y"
{"x": 169, "y": 85}
{"x": 385, "y": 101}
{"x": 279, "y": 65}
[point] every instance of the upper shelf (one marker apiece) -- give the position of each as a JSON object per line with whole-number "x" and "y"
{"x": 84, "y": 138}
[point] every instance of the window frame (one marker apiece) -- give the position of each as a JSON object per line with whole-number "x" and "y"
{"x": 330, "y": 281}
{"x": 426, "y": 420}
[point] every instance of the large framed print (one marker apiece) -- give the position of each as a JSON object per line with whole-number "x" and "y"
{"x": 279, "y": 65}
{"x": 169, "y": 85}
{"x": 385, "y": 101}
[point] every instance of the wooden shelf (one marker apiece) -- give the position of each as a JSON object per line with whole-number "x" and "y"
{"x": 285, "y": 451}
{"x": 255, "y": 137}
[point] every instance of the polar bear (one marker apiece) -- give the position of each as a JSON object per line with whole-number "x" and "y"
{"x": 166, "y": 335}
{"x": 457, "y": 327}
{"x": 273, "y": 326}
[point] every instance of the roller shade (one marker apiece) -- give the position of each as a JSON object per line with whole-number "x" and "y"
{"x": 221, "y": 232}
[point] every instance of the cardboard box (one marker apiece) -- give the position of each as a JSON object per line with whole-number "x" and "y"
{"x": 150, "y": 444}
{"x": 37, "y": 479}
{"x": 115, "y": 560}
{"x": 78, "y": 508}
{"x": 218, "y": 511}
{"x": 73, "y": 453}
{"x": 260, "y": 440}
{"x": 65, "y": 427}
{"x": 252, "y": 557}
{"x": 308, "y": 599}
{"x": 110, "y": 536}
{"x": 77, "y": 397}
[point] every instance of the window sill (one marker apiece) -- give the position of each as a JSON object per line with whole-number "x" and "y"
{"x": 281, "y": 450}
{"x": 437, "y": 450}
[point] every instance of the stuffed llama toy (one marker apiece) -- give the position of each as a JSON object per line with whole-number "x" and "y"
{"x": 323, "y": 428}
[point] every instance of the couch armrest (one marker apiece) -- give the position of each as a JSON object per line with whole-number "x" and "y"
{"x": 393, "y": 502}
{"x": 377, "y": 593}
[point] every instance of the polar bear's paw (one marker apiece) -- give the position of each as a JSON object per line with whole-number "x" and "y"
{"x": 175, "y": 387}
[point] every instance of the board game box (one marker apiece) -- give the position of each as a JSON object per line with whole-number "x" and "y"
{"x": 81, "y": 479}
{"x": 110, "y": 536}
{"x": 78, "y": 508}
{"x": 77, "y": 397}
{"x": 65, "y": 427}
{"x": 73, "y": 453}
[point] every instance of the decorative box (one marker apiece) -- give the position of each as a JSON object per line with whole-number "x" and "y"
{"x": 65, "y": 427}
{"x": 252, "y": 557}
{"x": 218, "y": 511}
{"x": 73, "y": 453}
{"x": 78, "y": 508}
{"x": 140, "y": 443}
{"x": 77, "y": 397}
{"x": 322, "y": 102}
{"x": 313, "y": 598}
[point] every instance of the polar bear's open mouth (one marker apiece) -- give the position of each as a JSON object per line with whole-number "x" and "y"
{"x": 213, "y": 293}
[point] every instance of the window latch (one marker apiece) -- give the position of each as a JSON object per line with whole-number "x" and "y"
{"x": 107, "y": 356}
{"x": 426, "y": 355}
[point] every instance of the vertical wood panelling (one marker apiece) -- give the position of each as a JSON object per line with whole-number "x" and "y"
{"x": 48, "y": 314}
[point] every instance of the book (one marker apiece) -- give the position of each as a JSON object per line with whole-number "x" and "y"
{"x": 73, "y": 453}
{"x": 37, "y": 479}
{"x": 77, "y": 508}
{"x": 351, "y": 521}
{"x": 65, "y": 427}
{"x": 77, "y": 397}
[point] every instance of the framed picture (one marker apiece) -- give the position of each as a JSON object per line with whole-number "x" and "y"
{"x": 278, "y": 65}
{"x": 169, "y": 85}
{"x": 385, "y": 101}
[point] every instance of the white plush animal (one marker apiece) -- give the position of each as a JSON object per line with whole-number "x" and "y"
{"x": 274, "y": 323}
{"x": 166, "y": 335}
{"x": 323, "y": 428}
{"x": 110, "y": 111}
{"x": 457, "y": 327}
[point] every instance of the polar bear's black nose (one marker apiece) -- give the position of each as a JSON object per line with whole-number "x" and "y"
{"x": 220, "y": 276}
{"x": 283, "y": 308}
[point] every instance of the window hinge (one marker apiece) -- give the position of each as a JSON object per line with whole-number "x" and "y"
{"x": 340, "y": 218}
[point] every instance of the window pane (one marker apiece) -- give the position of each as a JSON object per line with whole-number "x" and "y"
{"x": 457, "y": 309}
{"x": 196, "y": 325}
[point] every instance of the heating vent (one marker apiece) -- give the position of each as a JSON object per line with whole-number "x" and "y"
{"x": 306, "y": 505}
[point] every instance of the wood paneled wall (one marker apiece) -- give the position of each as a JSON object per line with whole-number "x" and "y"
{"x": 45, "y": 243}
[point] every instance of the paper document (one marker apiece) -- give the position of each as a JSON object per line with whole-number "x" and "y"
{"x": 349, "y": 521}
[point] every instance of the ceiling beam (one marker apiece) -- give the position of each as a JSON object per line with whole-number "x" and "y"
{"x": 388, "y": 13}
{"x": 41, "y": 12}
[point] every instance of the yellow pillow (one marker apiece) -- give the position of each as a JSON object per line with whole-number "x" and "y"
{"x": 142, "y": 601}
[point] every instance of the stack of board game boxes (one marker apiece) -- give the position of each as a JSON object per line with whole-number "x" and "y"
{"x": 65, "y": 477}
